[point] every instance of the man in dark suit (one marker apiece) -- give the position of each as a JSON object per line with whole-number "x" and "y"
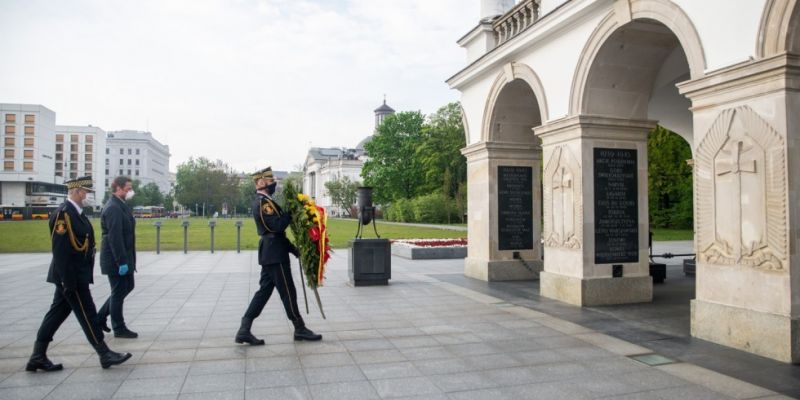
{"x": 118, "y": 255}
{"x": 273, "y": 256}
{"x": 71, "y": 271}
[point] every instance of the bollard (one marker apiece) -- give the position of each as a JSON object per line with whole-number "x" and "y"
{"x": 238, "y": 235}
{"x": 212, "y": 223}
{"x": 185, "y": 224}
{"x": 158, "y": 236}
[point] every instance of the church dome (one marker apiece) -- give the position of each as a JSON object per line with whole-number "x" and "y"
{"x": 384, "y": 108}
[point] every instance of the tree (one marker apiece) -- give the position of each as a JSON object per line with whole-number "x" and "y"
{"x": 343, "y": 193}
{"x": 393, "y": 170}
{"x": 669, "y": 180}
{"x": 149, "y": 195}
{"x": 439, "y": 153}
{"x": 201, "y": 183}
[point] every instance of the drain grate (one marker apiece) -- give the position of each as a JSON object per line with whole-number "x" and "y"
{"x": 652, "y": 359}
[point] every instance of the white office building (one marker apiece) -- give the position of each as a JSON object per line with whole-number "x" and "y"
{"x": 138, "y": 155}
{"x": 27, "y": 178}
{"x": 80, "y": 151}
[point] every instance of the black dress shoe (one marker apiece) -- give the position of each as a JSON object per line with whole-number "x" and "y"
{"x": 109, "y": 357}
{"x": 125, "y": 333}
{"x": 306, "y": 334}
{"x": 245, "y": 336}
{"x": 103, "y": 323}
{"x": 40, "y": 361}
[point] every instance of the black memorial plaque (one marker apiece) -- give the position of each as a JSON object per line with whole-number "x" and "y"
{"x": 515, "y": 207}
{"x": 616, "y": 206}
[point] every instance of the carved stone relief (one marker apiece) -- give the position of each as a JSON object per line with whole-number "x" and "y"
{"x": 563, "y": 203}
{"x": 740, "y": 196}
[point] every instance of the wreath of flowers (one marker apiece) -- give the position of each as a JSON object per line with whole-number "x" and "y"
{"x": 310, "y": 230}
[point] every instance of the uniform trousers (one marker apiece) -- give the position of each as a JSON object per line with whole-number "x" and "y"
{"x": 276, "y": 276}
{"x": 80, "y": 303}
{"x": 121, "y": 286}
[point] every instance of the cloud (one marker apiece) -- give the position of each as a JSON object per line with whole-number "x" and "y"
{"x": 250, "y": 82}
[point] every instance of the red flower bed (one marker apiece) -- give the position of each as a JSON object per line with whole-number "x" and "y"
{"x": 432, "y": 242}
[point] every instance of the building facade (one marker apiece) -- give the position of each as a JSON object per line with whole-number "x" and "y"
{"x": 80, "y": 151}
{"x": 27, "y": 177}
{"x": 327, "y": 164}
{"x": 138, "y": 155}
{"x": 558, "y": 99}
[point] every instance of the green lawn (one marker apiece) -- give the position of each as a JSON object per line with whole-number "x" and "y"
{"x": 32, "y": 236}
{"x": 660, "y": 234}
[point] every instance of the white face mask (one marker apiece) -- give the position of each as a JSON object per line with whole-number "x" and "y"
{"x": 87, "y": 202}
{"x": 129, "y": 195}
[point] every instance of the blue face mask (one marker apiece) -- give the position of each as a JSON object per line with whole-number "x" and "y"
{"x": 271, "y": 188}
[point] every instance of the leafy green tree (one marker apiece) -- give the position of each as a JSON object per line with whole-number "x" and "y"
{"x": 669, "y": 180}
{"x": 203, "y": 183}
{"x": 393, "y": 170}
{"x": 440, "y": 151}
{"x": 343, "y": 193}
{"x": 149, "y": 195}
{"x": 169, "y": 199}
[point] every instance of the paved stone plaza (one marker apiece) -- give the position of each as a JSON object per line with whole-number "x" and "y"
{"x": 420, "y": 337}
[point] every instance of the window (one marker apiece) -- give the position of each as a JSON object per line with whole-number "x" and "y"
{"x": 121, "y": 151}
{"x": 73, "y": 157}
{"x": 137, "y": 172}
{"x": 11, "y": 129}
{"x": 29, "y": 130}
{"x": 106, "y": 174}
{"x": 10, "y": 141}
{"x": 59, "y": 166}
{"x": 108, "y": 161}
{"x": 28, "y": 154}
{"x": 89, "y": 138}
{"x": 73, "y": 138}
{"x": 129, "y": 151}
{"x": 28, "y": 142}
{"x": 9, "y": 153}
{"x": 129, "y": 163}
{"x": 59, "y": 147}
{"x": 120, "y": 172}
{"x": 59, "y": 157}
{"x": 27, "y": 165}
{"x": 73, "y": 166}
{"x": 129, "y": 172}
{"x": 107, "y": 150}
{"x": 88, "y": 148}
{"x": 73, "y": 148}
{"x": 30, "y": 119}
{"x": 60, "y": 138}
{"x": 11, "y": 118}
{"x": 106, "y": 179}
{"x": 8, "y": 165}
{"x": 73, "y": 175}
{"x": 87, "y": 157}
{"x": 88, "y": 168}
{"x": 137, "y": 152}
{"x": 121, "y": 162}
{"x": 137, "y": 161}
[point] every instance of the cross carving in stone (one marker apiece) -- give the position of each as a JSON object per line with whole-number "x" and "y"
{"x": 740, "y": 161}
{"x": 561, "y": 183}
{"x": 736, "y": 165}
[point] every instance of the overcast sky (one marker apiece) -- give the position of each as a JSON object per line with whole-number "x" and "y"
{"x": 249, "y": 82}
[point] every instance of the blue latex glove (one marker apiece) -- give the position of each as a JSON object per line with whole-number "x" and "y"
{"x": 123, "y": 269}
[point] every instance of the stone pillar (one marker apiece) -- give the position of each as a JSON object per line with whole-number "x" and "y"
{"x": 747, "y": 191}
{"x": 594, "y": 259}
{"x": 492, "y": 243}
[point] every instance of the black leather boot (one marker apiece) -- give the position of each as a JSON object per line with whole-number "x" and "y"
{"x": 109, "y": 357}
{"x": 40, "y": 361}
{"x": 303, "y": 333}
{"x": 125, "y": 333}
{"x": 244, "y": 335}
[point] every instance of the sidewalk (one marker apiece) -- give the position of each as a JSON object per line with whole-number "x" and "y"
{"x": 420, "y": 337}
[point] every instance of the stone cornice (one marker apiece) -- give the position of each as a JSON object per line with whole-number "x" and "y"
{"x": 593, "y": 127}
{"x": 504, "y": 150}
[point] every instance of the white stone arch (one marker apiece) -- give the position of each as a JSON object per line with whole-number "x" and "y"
{"x": 511, "y": 72}
{"x": 776, "y": 33}
{"x": 662, "y": 11}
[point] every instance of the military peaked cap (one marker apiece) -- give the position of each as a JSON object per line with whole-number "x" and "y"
{"x": 84, "y": 182}
{"x": 264, "y": 173}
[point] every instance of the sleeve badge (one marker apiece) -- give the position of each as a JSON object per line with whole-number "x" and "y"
{"x": 61, "y": 228}
{"x": 267, "y": 209}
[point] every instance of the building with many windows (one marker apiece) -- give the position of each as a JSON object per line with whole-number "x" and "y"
{"x": 27, "y": 178}
{"x": 80, "y": 151}
{"x": 139, "y": 155}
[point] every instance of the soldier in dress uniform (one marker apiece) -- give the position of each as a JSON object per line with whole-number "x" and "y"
{"x": 273, "y": 256}
{"x": 71, "y": 271}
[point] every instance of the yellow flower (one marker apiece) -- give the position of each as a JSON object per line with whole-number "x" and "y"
{"x": 311, "y": 202}
{"x": 300, "y": 196}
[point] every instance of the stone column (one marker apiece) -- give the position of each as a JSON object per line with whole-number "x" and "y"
{"x": 594, "y": 259}
{"x": 492, "y": 244}
{"x": 747, "y": 191}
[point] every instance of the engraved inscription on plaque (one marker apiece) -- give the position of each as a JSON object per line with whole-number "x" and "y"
{"x": 616, "y": 208}
{"x": 515, "y": 207}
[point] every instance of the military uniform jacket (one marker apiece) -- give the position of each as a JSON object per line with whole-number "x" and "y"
{"x": 271, "y": 223}
{"x": 72, "y": 237}
{"x": 119, "y": 237}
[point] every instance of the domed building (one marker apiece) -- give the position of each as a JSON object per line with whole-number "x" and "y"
{"x": 325, "y": 164}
